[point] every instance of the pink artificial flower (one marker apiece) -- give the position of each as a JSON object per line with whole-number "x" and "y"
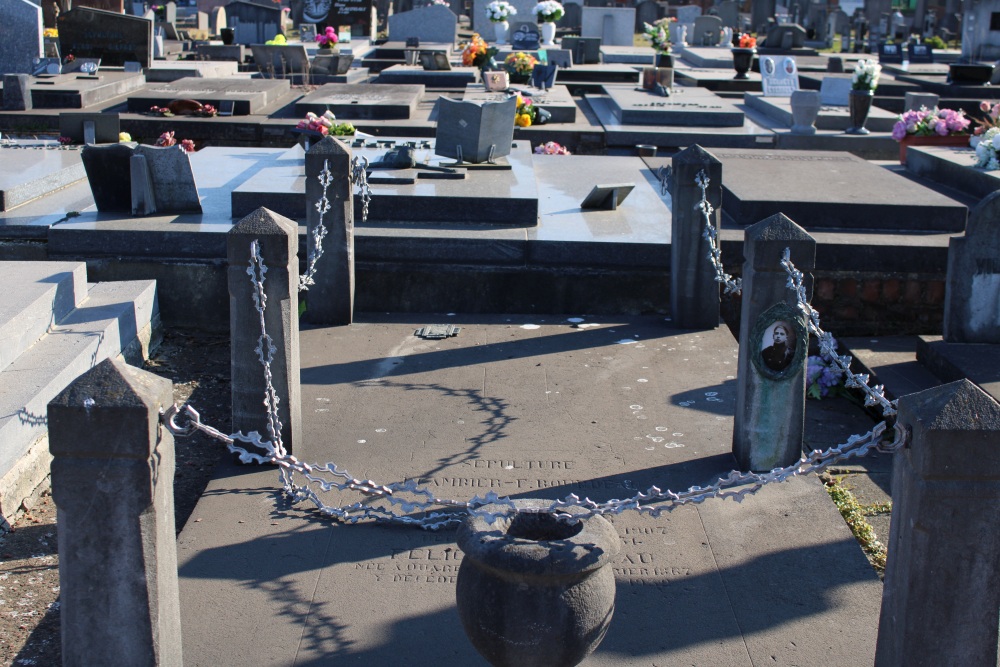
{"x": 166, "y": 139}
{"x": 899, "y": 130}
{"x": 941, "y": 128}
{"x": 984, "y": 106}
{"x": 187, "y": 145}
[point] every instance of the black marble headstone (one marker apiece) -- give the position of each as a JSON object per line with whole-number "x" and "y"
{"x": 474, "y": 132}
{"x": 525, "y": 38}
{"x": 112, "y": 38}
{"x": 543, "y": 76}
{"x": 920, "y": 53}
{"x": 16, "y": 95}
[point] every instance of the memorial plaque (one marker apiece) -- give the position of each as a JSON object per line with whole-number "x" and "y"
{"x": 307, "y": 33}
{"x": 245, "y": 96}
{"x": 435, "y": 24}
{"x": 890, "y": 53}
{"x": 174, "y": 188}
{"x": 112, "y": 38}
{"x": 21, "y": 42}
{"x": 475, "y": 132}
{"x": 920, "y": 53}
{"x": 689, "y": 107}
{"x": 779, "y": 76}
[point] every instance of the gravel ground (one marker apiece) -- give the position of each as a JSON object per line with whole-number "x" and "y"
{"x": 198, "y": 365}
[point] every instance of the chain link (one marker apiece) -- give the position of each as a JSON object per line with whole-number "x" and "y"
{"x": 359, "y": 177}
{"x": 711, "y": 234}
{"x": 400, "y": 500}
{"x": 315, "y": 248}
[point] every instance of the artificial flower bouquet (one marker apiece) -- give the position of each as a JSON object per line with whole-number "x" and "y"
{"x": 551, "y": 148}
{"x": 478, "y": 53}
{"x": 658, "y": 34}
{"x": 527, "y": 114}
{"x": 499, "y": 11}
{"x": 548, "y": 11}
{"x": 866, "y": 74}
{"x": 328, "y": 38}
{"x": 929, "y": 123}
{"x": 520, "y": 64}
{"x": 746, "y": 41}
{"x": 325, "y": 124}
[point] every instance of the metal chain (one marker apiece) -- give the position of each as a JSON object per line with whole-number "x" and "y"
{"x": 314, "y": 249}
{"x": 711, "y": 234}
{"x": 359, "y": 177}
{"x": 874, "y": 396}
{"x": 408, "y": 497}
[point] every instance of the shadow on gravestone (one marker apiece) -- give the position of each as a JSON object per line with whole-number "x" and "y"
{"x": 972, "y": 297}
{"x": 474, "y": 132}
{"x": 109, "y": 173}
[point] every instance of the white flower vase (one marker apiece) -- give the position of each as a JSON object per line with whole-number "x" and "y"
{"x": 500, "y": 32}
{"x": 548, "y": 33}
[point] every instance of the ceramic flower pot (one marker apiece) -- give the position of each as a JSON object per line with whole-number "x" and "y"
{"x": 548, "y": 30}
{"x": 500, "y": 32}
{"x": 534, "y": 591}
{"x": 805, "y": 109}
{"x": 860, "y": 103}
{"x": 742, "y": 61}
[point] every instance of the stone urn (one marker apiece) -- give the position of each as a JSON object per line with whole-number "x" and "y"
{"x": 805, "y": 109}
{"x": 742, "y": 61}
{"x": 548, "y": 31}
{"x": 535, "y": 590}
{"x": 859, "y": 104}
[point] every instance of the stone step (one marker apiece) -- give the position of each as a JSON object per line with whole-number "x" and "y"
{"x": 116, "y": 319}
{"x": 891, "y": 361}
{"x": 36, "y": 295}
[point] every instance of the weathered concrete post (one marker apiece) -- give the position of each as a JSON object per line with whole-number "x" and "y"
{"x": 694, "y": 292}
{"x": 971, "y": 311}
{"x": 112, "y": 481}
{"x": 941, "y": 599}
{"x": 331, "y": 299}
{"x": 771, "y": 385}
{"x": 278, "y": 238}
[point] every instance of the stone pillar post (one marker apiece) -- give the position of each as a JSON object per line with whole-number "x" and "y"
{"x": 941, "y": 598}
{"x": 331, "y": 300}
{"x": 694, "y": 291}
{"x": 16, "y": 92}
{"x": 278, "y": 238}
{"x": 771, "y": 384}
{"x": 112, "y": 481}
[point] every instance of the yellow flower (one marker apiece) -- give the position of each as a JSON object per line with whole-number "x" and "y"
{"x": 51, "y": 33}
{"x": 124, "y": 136}
{"x": 522, "y": 120}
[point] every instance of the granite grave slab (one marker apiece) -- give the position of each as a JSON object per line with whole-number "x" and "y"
{"x": 498, "y": 198}
{"x": 952, "y": 167}
{"x": 363, "y": 101}
{"x": 79, "y": 91}
{"x": 855, "y": 194}
{"x": 22, "y": 36}
{"x": 249, "y": 96}
{"x": 686, "y": 106}
{"x": 415, "y": 75}
{"x": 166, "y": 71}
{"x": 556, "y": 100}
{"x": 32, "y": 172}
{"x": 114, "y": 38}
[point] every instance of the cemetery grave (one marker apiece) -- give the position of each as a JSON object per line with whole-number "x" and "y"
{"x": 513, "y": 237}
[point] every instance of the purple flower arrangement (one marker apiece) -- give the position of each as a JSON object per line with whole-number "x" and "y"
{"x": 823, "y": 376}
{"x": 930, "y": 122}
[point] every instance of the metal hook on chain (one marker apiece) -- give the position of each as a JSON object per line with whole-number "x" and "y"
{"x": 169, "y": 417}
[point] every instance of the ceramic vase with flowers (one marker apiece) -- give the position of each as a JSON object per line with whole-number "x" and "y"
{"x": 519, "y": 66}
{"x": 327, "y": 40}
{"x": 863, "y": 85}
{"x": 498, "y": 12}
{"x": 548, "y": 12}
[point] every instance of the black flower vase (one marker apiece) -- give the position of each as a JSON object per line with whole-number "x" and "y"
{"x": 228, "y": 35}
{"x": 664, "y": 60}
{"x": 742, "y": 60}
{"x": 860, "y": 102}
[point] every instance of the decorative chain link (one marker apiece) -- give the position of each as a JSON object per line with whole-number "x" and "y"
{"x": 315, "y": 248}
{"x": 359, "y": 177}
{"x": 398, "y": 501}
{"x": 711, "y": 234}
{"x": 873, "y": 395}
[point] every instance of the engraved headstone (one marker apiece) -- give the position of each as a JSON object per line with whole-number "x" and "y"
{"x": 972, "y": 298}
{"x": 779, "y": 76}
{"x": 474, "y": 132}
{"x": 524, "y": 37}
{"x": 920, "y": 53}
{"x": 429, "y": 24}
{"x": 585, "y": 51}
{"x": 112, "y": 38}
{"x": 174, "y": 187}
{"x": 646, "y": 11}
{"x": 615, "y": 26}
{"x": 729, "y": 12}
{"x": 706, "y": 31}
{"x": 253, "y": 23}
{"x": 334, "y": 13}
{"x": 105, "y": 126}
{"x": 890, "y": 53}
{"x": 834, "y": 91}
{"x": 785, "y": 36}
{"x": 543, "y": 76}
{"x": 913, "y": 101}
{"x": 21, "y": 41}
